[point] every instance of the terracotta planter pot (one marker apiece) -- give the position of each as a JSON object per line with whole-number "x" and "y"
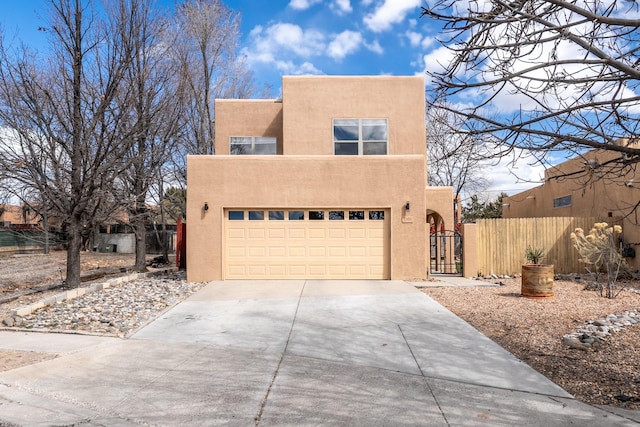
{"x": 537, "y": 280}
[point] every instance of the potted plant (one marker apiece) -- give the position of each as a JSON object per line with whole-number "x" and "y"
{"x": 537, "y": 278}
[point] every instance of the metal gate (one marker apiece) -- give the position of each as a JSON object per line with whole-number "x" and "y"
{"x": 446, "y": 252}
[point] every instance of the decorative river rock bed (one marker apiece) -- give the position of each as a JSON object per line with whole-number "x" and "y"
{"x": 594, "y": 333}
{"x": 117, "y": 309}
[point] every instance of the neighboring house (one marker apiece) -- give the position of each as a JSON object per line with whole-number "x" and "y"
{"x": 328, "y": 182}
{"x": 17, "y": 215}
{"x": 591, "y": 185}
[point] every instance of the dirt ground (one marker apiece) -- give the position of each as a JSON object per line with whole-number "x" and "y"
{"x": 18, "y": 273}
{"x": 36, "y": 269}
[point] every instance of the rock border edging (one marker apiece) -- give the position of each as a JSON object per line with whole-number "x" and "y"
{"x": 77, "y": 292}
{"x": 593, "y": 333}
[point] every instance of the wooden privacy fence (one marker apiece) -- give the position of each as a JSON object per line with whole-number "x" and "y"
{"x": 502, "y": 242}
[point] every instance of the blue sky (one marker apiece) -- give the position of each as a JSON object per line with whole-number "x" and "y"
{"x": 361, "y": 37}
{"x": 333, "y": 37}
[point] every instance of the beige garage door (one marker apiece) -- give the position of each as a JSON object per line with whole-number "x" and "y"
{"x": 306, "y": 244}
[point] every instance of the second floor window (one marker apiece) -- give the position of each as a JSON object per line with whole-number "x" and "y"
{"x": 252, "y": 145}
{"x": 360, "y": 136}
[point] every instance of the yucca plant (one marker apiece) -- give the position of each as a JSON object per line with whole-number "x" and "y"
{"x": 534, "y": 255}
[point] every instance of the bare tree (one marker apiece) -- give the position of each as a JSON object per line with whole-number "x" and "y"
{"x": 63, "y": 114}
{"x": 455, "y": 156}
{"x": 154, "y": 117}
{"x": 543, "y": 76}
{"x": 205, "y": 44}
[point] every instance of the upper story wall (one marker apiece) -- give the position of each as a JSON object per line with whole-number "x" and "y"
{"x": 247, "y": 117}
{"x": 312, "y": 102}
{"x": 302, "y": 122}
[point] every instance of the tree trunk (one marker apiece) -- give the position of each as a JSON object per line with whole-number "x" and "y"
{"x": 73, "y": 252}
{"x": 165, "y": 242}
{"x": 141, "y": 243}
{"x": 45, "y": 226}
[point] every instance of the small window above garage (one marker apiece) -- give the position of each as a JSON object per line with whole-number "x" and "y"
{"x": 257, "y": 145}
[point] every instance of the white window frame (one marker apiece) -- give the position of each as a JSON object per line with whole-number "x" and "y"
{"x": 252, "y": 141}
{"x": 360, "y": 141}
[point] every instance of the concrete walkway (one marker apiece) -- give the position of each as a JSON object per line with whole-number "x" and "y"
{"x": 289, "y": 353}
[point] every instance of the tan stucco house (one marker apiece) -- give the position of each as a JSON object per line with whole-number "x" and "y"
{"x": 590, "y": 185}
{"x": 14, "y": 214}
{"x": 329, "y": 182}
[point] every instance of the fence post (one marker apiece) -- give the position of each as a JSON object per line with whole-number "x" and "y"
{"x": 181, "y": 244}
{"x": 469, "y": 250}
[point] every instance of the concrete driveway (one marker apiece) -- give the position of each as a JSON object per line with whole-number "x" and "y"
{"x": 289, "y": 353}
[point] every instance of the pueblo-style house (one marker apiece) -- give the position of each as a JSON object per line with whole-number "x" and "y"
{"x": 329, "y": 182}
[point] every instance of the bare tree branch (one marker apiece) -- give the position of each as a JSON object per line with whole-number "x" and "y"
{"x": 544, "y": 76}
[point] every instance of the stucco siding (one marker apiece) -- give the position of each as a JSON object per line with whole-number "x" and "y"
{"x": 311, "y": 103}
{"x": 306, "y": 182}
{"x": 440, "y": 200}
{"x": 245, "y": 117}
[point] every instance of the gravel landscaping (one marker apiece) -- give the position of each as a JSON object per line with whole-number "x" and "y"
{"x": 115, "y": 310}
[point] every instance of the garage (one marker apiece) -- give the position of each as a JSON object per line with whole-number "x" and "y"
{"x": 306, "y": 243}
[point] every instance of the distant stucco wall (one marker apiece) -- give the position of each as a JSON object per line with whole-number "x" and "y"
{"x": 603, "y": 198}
{"x": 16, "y": 215}
{"x": 305, "y": 182}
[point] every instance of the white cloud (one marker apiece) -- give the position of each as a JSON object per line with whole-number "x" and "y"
{"x": 513, "y": 174}
{"x": 302, "y": 4}
{"x": 436, "y": 60}
{"x": 341, "y": 6}
{"x": 414, "y": 38}
{"x": 344, "y": 44}
{"x": 282, "y": 37}
{"x": 291, "y": 68}
{"x": 389, "y": 13}
{"x": 418, "y": 40}
{"x": 375, "y": 47}
{"x": 283, "y": 45}
{"x": 307, "y": 68}
{"x": 285, "y": 48}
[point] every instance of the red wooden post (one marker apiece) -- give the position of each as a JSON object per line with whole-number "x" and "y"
{"x": 181, "y": 245}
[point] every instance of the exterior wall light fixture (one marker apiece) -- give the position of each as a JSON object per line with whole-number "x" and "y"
{"x": 206, "y": 206}
{"x": 407, "y": 206}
